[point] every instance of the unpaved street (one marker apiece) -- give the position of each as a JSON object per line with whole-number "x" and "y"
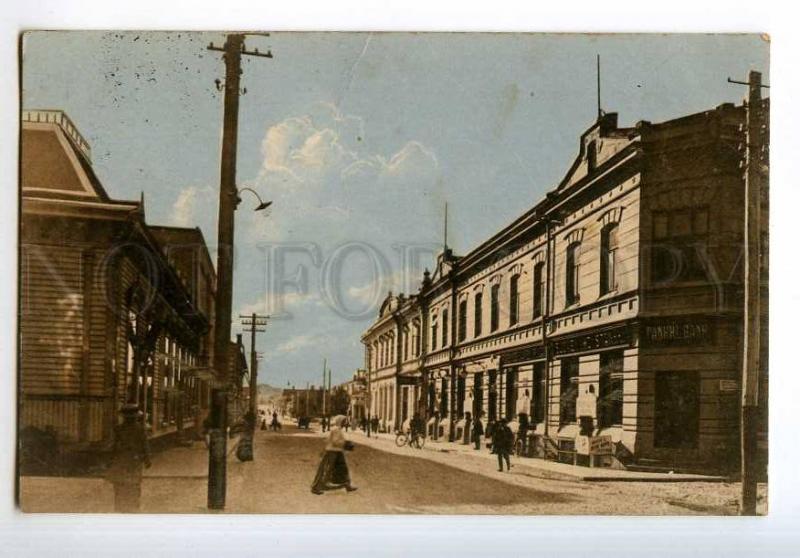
{"x": 391, "y": 480}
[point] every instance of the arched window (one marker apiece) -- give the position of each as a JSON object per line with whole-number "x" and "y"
{"x": 608, "y": 258}
{"x": 494, "y": 310}
{"x": 478, "y": 314}
{"x": 513, "y": 300}
{"x": 462, "y": 320}
{"x": 572, "y": 269}
{"x": 434, "y": 333}
{"x": 538, "y": 289}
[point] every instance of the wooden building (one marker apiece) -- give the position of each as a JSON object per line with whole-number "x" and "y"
{"x": 609, "y": 314}
{"x": 111, "y": 310}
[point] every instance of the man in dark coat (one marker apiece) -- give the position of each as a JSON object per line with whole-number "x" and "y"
{"x": 502, "y": 441}
{"x": 131, "y": 453}
{"x": 477, "y": 431}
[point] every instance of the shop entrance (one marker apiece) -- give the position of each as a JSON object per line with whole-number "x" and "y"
{"x": 677, "y": 412}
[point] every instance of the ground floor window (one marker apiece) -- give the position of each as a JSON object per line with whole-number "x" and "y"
{"x": 609, "y": 400}
{"x": 677, "y": 410}
{"x": 477, "y": 395}
{"x": 492, "y": 395}
{"x": 511, "y": 393}
{"x": 539, "y": 391}
{"x": 445, "y": 407}
{"x": 461, "y": 390}
{"x": 569, "y": 390}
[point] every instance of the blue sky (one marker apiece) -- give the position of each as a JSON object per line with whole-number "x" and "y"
{"x": 359, "y": 140}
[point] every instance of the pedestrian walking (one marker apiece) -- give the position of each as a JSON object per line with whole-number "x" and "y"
{"x": 502, "y": 441}
{"x": 275, "y": 424}
{"x": 130, "y": 455}
{"x": 332, "y": 472}
{"x": 477, "y": 432}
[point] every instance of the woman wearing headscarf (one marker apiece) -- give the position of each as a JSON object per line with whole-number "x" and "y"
{"x": 332, "y": 472}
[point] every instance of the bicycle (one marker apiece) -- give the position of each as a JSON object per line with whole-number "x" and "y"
{"x": 413, "y": 440}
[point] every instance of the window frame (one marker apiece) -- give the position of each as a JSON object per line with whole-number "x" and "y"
{"x": 572, "y": 273}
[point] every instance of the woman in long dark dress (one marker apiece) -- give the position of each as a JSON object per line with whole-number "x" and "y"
{"x": 332, "y": 472}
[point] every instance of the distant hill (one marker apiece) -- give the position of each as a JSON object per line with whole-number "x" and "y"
{"x": 268, "y": 395}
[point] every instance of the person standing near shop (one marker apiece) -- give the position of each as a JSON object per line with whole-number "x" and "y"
{"x": 502, "y": 441}
{"x": 130, "y": 455}
{"x": 477, "y": 431}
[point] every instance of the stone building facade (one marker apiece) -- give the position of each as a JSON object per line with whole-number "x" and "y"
{"x": 609, "y": 314}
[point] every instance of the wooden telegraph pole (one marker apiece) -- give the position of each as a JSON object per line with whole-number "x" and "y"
{"x": 232, "y": 51}
{"x": 256, "y": 324}
{"x": 755, "y": 172}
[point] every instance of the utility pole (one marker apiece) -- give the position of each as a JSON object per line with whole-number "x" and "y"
{"x": 233, "y": 50}
{"x": 324, "y": 383}
{"x": 756, "y": 170}
{"x": 256, "y": 324}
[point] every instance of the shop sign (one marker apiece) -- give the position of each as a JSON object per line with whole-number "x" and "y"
{"x": 612, "y": 337}
{"x": 679, "y": 331}
{"x": 523, "y": 355}
{"x": 601, "y": 445}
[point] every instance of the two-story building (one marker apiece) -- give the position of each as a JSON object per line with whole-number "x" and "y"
{"x": 609, "y": 314}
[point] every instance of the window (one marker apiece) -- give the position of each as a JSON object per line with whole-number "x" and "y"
{"x": 539, "y": 391}
{"x": 591, "y": 155}
{"x": 445, "y": 327}
{"x": 478, "y": 314}
{"x": 572, "y": 269}
{"x": 569, "y": 390}
{"x": 677, "y": 412}
{"x": 462, "y": 320}
{"x": 416, "y": 339}
{"x": 513, "y": 300}
{"x": 492, "y": 395}
{"x": 494, "y": 310}
{"x": 511, "y": 393}
{"x": 434, "y": 334}
{"x": 538, "y": 289}
{"x": 609, "y": 400}
{"x": 406, "y": 342}
{"x": 477, "y": 395}
{"x": 461, "y": 389}
{"x": 444, "y": 406}
{"x": 680, "y": 238}
{"x": 608, "y": 259}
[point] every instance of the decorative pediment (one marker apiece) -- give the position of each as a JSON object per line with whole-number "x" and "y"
{"x": 575, "y": 235}
{"x": 538, "y": 257}
{"x": 613, "y": 215}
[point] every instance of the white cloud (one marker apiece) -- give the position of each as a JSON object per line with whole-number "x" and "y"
{"x": 299, "y": 342}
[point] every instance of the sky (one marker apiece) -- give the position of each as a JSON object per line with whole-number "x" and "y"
{"x": 359, "y": 140}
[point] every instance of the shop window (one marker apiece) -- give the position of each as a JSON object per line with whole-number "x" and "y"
{"x": 492, "y": 395}
{"x": 680, "y": 240}
{"x": 445, "y": 399}
{"x": 445, "y": 327}
{"x": 494, "y": 311}
{"x": 513, "y": 300}
{"x": 609, "y": 400}
{"x": 461, "y": 390}
{"x": 608, "y": 258}
{"x": 511, "y": 393}
{"x": 569, "y": 390}
{"x": 572, "y": 271}
{"x": 539, "y": 393}
{"x": 677, "y": 410}
{"x": 462, "y": 320}
{"x": 538, "y": 289}
{"x": 478, "y": 314}
{"x": 477, "y": 395}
